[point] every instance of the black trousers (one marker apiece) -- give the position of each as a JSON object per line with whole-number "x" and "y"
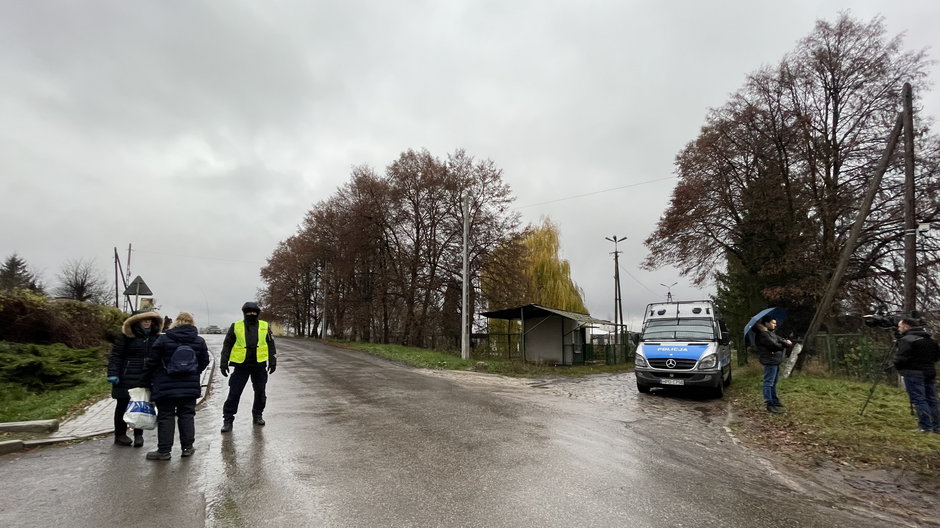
{"x": 258, "y": 374}
{"x": 120, "y": 426}
{"x": 170, "y": 413}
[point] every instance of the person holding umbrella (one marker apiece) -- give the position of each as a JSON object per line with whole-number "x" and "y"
{"x": 771, "y": 350}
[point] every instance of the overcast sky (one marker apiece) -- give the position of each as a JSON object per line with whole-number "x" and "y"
{"x": 202, "y": 132}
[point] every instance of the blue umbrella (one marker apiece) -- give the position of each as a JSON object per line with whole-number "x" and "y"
{"x": 780, "y": 314}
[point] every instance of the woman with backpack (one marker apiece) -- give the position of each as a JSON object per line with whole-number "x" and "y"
{"x": 126, "y": 367}
{"x": 176, "y": 361}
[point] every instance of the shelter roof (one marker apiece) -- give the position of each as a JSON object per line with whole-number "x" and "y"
{"x": 530, "y": 311}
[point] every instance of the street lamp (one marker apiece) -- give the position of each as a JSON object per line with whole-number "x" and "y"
{"x": 668, "y": 290}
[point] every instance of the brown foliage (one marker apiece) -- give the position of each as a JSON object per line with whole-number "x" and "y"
{"x": 773, "y": 180}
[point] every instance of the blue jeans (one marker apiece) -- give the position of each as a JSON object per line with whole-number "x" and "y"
{"x": 771, "y": 376}
{"x": 922, "y": 391}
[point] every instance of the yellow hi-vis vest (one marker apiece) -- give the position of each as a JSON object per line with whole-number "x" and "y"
{"x": 240, "y": 348}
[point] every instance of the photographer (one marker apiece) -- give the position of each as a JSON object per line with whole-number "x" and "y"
{"x": 917, "y": 352}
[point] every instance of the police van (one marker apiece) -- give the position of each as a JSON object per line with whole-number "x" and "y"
{"x": 683, "y": 344}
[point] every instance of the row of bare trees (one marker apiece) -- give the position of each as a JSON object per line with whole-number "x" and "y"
{"x": 381, "y": 259}
{"x": 770, "y": 188}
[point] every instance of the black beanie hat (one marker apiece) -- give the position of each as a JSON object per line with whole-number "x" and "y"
{"x": 251, "y": 306}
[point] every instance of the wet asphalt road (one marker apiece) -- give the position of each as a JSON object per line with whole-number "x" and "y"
{"x": 353, "y": 440}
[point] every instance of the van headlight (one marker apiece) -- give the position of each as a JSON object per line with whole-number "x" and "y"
{"x": 708, "y": 362}
{"x": 640, "y": 361}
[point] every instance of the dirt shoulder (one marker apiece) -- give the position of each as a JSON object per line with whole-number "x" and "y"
{"x": 907, "y": 494}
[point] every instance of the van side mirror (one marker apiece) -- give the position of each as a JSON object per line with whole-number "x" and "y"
{"x": 724, "y": 340}
{"x": 635, "y": 338}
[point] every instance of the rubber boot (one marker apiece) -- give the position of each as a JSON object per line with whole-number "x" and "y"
{"x": 122, "y": 439}
{"x": 138, "y": 438}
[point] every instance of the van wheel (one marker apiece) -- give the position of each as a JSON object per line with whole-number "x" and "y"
{"x": 643, "y": 388}
{"x": 719, "y": 391}
{"x": 728, "y": 380}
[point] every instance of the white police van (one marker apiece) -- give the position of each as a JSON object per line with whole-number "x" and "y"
{"x": 683, "y": 344}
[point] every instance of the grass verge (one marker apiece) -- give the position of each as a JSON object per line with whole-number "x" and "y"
{"x": 42, "y": 382}
{"x": 823, "y": 422}
{"x": 424, "y": 358}
{"x": 18, "y": 404}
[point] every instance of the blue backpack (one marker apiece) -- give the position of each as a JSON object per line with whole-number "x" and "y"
{"x": 183, "y": 362}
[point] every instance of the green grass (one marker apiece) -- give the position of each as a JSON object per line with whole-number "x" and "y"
{"x": 18, "y": 404}
{"x": 823, "y": 419}
{"x": 424, "y": 358}
{"x": 41, "y": 382}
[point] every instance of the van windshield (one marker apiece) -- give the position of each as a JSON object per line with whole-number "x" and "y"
{"x": 679, "y": 330}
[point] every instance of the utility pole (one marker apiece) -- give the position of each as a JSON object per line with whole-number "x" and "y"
{"x": 668, "y": 291}
{"x": 850, "y": 244}
{"x": 910, "y": 227}
{"x": 618, "y": 304}
{"x": 127, "y": 300}
{"x": 464, "y": 315}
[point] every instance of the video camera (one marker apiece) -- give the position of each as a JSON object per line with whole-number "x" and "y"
{"x": 881, "y": 318}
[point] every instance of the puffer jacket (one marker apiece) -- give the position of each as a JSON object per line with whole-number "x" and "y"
{"x": 771, "y": 348}
{"x": 129, "y": 352}
{"x": 162, "y": 384}
{"x": 916, "y": 352}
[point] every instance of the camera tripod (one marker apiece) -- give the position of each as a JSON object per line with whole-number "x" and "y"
{"x": 883, "y": 367}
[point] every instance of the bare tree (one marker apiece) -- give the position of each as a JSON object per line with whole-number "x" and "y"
{"x": 385, "y": 250}
{"x": 81, "y": 280}
{"x": 769, "y": 190}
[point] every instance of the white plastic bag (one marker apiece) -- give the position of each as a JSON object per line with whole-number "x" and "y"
{"x": 140, "y": 413}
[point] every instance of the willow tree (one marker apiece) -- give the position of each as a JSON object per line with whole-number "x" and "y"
{"x": 526, "y": 269}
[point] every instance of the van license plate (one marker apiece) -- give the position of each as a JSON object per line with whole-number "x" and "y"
{"x": 671, "y": 381}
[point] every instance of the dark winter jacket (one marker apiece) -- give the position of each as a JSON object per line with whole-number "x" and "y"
{"x": 771, "y": 348}
{"x": 917, "y": 351}
{"x": 130, "y": 351}
{"x": 163, "y": 385}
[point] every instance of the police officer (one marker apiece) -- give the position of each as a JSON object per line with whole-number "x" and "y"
{"x": 249, "y": 349}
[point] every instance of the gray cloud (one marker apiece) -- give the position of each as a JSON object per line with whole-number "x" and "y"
{"x": 202, "y": 132}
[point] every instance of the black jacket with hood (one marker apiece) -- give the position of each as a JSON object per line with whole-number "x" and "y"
{"x": 162, "y": 384}
{"x": 129, "y": 352}
{"x": 917, "y": 351}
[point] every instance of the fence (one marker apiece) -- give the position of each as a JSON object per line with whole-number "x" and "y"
{"x": 849, "y": 356}
{"x": 507, "y": 346}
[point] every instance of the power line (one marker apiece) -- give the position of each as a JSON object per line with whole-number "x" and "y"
{"x": 597, "y": 192}
{"x": 638, "y": 281}
{"x": 198, "y": 257}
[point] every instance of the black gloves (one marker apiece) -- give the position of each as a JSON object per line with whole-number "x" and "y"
{"x": 271, "y": 367}
{"x": 223, "y": 367}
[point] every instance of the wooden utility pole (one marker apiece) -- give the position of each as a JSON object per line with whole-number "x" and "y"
{"x": 465, "y": 302}
{"x": 910, "y": 226}
{"x": 618, "y": 302}
{"x": 823, "y": 308}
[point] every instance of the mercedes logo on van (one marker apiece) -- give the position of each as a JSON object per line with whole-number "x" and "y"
{"x": 670, "y": 363}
